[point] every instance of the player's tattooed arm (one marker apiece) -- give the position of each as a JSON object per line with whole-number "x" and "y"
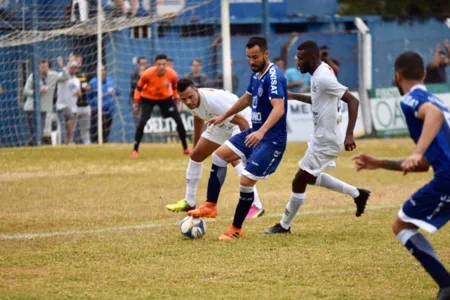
{"x": 300, "y": 97}
{"x": 396, "y": 165}
{"x": 368, "y": 162}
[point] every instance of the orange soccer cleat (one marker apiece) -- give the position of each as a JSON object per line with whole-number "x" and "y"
{"x": 206, "y": 210}
{"x": 134, "y": 154}
{"x": 232, "y": 233}
{"x": 187, "y": 151}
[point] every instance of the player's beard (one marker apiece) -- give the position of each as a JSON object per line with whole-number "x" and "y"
{"x": 259, "y": 68}
{"x": 397, "y": 84}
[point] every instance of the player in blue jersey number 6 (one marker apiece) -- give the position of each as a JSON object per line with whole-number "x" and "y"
{"x": 428, "y": 121}
{"x": 261, "y": 146}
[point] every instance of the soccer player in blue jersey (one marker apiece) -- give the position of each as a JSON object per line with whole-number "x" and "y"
{"x": 428, "y": 122}
{"x": 261, "y": 146}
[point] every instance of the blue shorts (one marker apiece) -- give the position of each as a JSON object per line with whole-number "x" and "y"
{"x": 260, "y": 161}
{"x": 429, "y": 207}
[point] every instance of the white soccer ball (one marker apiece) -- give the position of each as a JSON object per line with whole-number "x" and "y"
{"x": 193, "y": 228}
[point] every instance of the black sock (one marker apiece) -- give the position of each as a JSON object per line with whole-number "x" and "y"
{"x": 246, "y": 198}
{"x": 215, "y": 182}
{"x": 422, "y": 250}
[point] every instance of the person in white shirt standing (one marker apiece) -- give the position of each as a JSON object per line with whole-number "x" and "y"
{"x": 204, "y": 104}
{"x": 327, "y": 140}
{"x": 67, "y": 97}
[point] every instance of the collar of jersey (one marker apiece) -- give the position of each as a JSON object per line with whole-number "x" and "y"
{"x": 270, "y": 65}
{"x": 418, "y": 86}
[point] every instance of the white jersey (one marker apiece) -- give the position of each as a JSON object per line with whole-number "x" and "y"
{"x": 66, "y": 94}
{"x": 215, "y": 103}
{"x": 326, "y": 94}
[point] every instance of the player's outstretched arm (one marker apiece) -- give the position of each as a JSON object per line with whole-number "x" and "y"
{"x": 353, "y": 105}
{"x": 240, "y": 121}
{"x": 199, "y": 126}
{"x": 300, "y": 97}
{"x": 240, "y": 105}
{"x": 432, "y": 118}
{"x": 367, "y": 162}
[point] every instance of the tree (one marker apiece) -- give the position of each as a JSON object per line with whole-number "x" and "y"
{"x": 397, "y": 9}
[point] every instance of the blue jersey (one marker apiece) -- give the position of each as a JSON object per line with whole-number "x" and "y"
{"x": 438, "y": 153}
{"x": 271, "y": 85}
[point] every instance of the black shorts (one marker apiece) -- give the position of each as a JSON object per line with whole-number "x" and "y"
{"x": 167, "y": 107}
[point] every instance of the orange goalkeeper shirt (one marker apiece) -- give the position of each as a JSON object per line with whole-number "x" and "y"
{"x": 154, "y": 87}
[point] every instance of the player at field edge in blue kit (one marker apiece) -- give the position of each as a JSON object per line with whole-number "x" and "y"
{"x": 261, "y": 146}
{"x": 428, "y": 121}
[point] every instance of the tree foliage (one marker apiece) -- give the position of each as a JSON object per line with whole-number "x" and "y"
{"x": 397, "y": 9}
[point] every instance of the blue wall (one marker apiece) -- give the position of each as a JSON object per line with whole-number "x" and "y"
{"x": 389, "y": 39}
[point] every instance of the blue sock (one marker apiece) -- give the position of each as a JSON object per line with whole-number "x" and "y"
{"x": 216, "y": 178}
{"x": 422, "y": 250}
{"x": 245, "y": 202}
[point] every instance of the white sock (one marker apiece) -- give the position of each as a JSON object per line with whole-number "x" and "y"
{"x": 292, "y": 208}
{"x": 193, "y": 174}
{"x": 239, "y": 169}
{"x": 332, "y": 183}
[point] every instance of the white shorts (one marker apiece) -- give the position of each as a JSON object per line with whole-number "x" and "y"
{"x": 219, "y": 136}
{"x": 315, "y": 162}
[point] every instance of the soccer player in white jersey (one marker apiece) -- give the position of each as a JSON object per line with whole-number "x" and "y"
{"x": 327, "y": 140}
{"x": 428, "y": 121}
{"x": 205, "y": 104}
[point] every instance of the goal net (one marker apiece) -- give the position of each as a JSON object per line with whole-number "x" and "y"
{"x": 184, "y": 30}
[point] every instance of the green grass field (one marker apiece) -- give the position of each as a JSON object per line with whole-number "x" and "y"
{"x": 110, "y": 237}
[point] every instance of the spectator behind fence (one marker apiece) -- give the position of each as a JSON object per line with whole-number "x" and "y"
{"x": 325, "y": 57}
{"x": 196, "y": 75}
{"x": 83, "y": 109}
{"x": 108, "y": 104}
{"x": 123, "y": 9}
{"x": 170, "y": 63}
{"x": 142, "y": 63}
{"x": 435, "y": 72}
{"x": 48, "y": 81}
{"x": 280, "y": 63}
{"x": 68, "y": 92}
{"x": 297, "y": 82}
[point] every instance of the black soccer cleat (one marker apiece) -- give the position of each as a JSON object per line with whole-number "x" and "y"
{"x": 444, "y": 294}
{"x": 361, "y": 201}
{"x": 277, "y": 228}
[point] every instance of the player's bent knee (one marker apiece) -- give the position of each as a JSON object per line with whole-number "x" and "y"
{"x": 218, "y": 161}
{"x": 245, "y": 181}
{"x": 398, "y": 225}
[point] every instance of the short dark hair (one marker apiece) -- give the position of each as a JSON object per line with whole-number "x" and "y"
{"x": 170, "y": 59}
{"x": 184, "y": 83}
{"x": 160, "y": 56}
{"x": 259, "y": 41}
{"x": 410, "y": 65}
{"x": 141, "y": 58}
{"x": 278, "y": 58}
{"x": 197, "y": 60}
{"x": 46, "y": 61}
{"x": 310, "y": 48}
{"x": 324, "y": 47}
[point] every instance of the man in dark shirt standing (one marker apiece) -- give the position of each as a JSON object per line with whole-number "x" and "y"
{"x": 142, "y": 65}
{"x": 325, "y": 57}
{"x": 435, "y": 72}
{"x": 83, "y": 109}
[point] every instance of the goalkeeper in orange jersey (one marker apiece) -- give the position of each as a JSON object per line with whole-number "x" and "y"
{"x": 157, "y": 86}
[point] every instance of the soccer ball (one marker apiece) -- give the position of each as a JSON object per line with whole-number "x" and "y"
{"x": 193, "y": 228}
